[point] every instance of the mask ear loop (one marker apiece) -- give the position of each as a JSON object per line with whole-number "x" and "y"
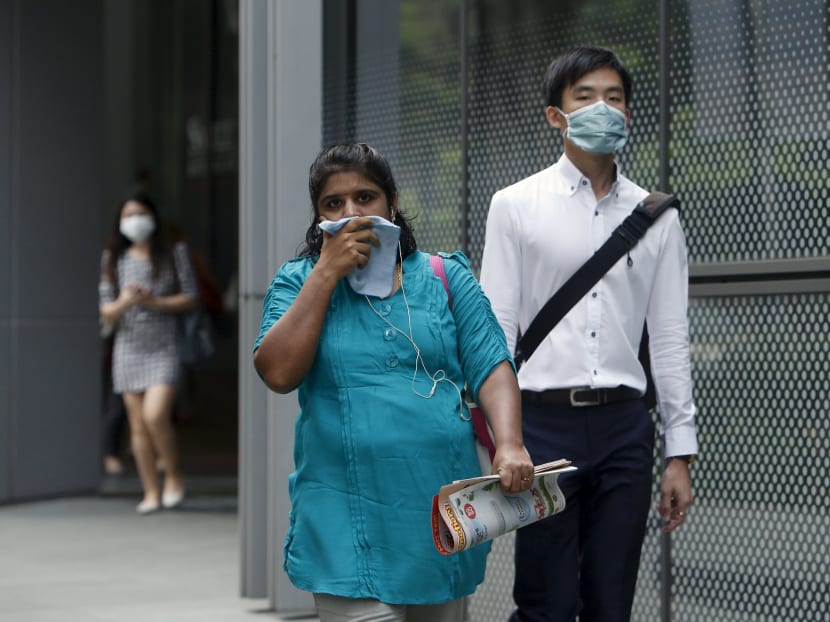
{"x": 567, "y": 122}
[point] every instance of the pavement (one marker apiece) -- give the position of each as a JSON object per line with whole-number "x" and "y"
{"x": 94, "y": 559}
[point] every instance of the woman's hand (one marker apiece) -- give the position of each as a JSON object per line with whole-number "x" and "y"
{"x": 514, "y": 467}
{"x": 500, "y": 399}
{"x": 287, "y": 350}
{"x": 145, "y": 298}
{"x": 128, "y": 297}
{"x": 349, "y": 248}
{"x": 131, "y": 295}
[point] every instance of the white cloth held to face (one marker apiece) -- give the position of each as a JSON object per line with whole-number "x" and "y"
{"x": 375, "y": 278}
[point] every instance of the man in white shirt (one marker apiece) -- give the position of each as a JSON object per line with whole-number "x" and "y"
{"x": 540, "y": 230}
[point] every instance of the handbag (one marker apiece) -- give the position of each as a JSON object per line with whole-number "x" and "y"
{"x": 107, "y": 328}
{"x": 195, "y": 337}
{"x": 622, "y": 240}
{"x": 195, "y": 332}
{"x": 483, "y": 433}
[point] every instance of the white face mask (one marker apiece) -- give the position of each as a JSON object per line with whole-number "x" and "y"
{"x": 138, "y": 227}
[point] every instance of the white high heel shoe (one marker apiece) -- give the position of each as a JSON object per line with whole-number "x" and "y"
{"x": 172, "y": 500}
{"x": 147, "y": 507}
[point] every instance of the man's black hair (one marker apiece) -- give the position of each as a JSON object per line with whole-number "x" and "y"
{"x": 572, "y": 65}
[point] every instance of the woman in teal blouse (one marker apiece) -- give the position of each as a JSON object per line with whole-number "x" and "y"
{"x": 382, "y": 423}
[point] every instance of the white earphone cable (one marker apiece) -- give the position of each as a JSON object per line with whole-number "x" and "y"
{"x": 440, "y": 375}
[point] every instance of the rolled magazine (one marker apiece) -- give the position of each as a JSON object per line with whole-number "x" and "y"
{"x": 468, "y": 512}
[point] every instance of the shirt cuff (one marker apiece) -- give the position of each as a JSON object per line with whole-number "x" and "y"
{"x": 680, "y": 441}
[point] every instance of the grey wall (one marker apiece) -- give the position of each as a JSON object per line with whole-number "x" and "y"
{"x": 120, "y": 114}
{"x": 5, "y": 244}
{"x": 50, "y": 240}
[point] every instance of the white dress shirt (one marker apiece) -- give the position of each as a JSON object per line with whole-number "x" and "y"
{"x": 539, "y": 232}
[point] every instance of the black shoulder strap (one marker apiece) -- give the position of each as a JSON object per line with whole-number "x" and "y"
{"x": 623, "y": 239}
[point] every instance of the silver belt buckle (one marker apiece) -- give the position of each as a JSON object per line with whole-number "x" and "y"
{"x": 576, "y": 402}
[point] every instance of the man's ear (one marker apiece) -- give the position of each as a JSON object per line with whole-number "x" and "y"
{"x": 555, "y": 118}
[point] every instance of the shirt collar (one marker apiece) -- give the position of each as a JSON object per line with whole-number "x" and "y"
{"x": 573, "y": 179}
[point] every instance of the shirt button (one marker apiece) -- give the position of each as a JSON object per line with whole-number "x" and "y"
{"x": 596, "y": 213}
{"x": 594, "y": 295}
{"x": 389, "y": 334}
{"x": 392, "y": 362}
{"x": 584, "y": 182}
{"x": 593, "y": 334}
{"x": 595, "y": 372}
{"x": 385, "y": 309}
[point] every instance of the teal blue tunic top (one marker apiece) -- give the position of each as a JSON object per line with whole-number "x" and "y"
{"x": 375, "y": 440}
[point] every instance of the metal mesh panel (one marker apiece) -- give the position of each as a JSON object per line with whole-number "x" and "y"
{"x": 510, "y": 50}
{"x": 750, "y": 161}
{"x": 758, "y": 539}
{"x": 407, "y": 105}
{"x": 750, "y": 126}
{"x": 493, "y": 600}
{"x": 511, "y": 46}
{"x": 749, "y": 158}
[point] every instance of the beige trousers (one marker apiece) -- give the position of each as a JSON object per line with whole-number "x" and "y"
{"x": 339, "y": 609}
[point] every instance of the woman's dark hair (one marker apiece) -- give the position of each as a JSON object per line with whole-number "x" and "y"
{"x": 357, "y": 158}
{"x": 118, "y": 243}
{"x": 571, "y": 66}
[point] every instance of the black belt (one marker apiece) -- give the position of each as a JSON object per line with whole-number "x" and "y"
{"x": 579, "y": 396}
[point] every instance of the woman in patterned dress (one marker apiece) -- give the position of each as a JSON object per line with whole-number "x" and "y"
{"x": 145, "y": 282}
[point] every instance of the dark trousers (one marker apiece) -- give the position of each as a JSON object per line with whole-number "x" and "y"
{"x": 115, "y": 421}
{"x": 584, "y": 561}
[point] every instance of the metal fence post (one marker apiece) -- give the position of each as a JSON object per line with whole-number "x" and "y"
{"x": 665, "y": 116}
{"x": 464, "y": 104}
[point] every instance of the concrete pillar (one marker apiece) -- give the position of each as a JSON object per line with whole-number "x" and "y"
{"x": 280, "y": 133}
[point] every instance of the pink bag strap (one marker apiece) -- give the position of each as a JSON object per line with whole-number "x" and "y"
{"x": 479, "y": 421}
{"x": 437, "y": 263}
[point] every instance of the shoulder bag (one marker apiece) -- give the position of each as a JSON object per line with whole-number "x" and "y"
{"x": 622, "y": 240}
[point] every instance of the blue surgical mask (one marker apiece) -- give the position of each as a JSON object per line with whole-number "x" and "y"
{"x": 598, "y": 128}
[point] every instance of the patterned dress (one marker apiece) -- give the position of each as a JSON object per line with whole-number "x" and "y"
{"x": 146, "y": 350}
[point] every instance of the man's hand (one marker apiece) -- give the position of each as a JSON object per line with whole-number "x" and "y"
{"x": 675, "y": 494}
